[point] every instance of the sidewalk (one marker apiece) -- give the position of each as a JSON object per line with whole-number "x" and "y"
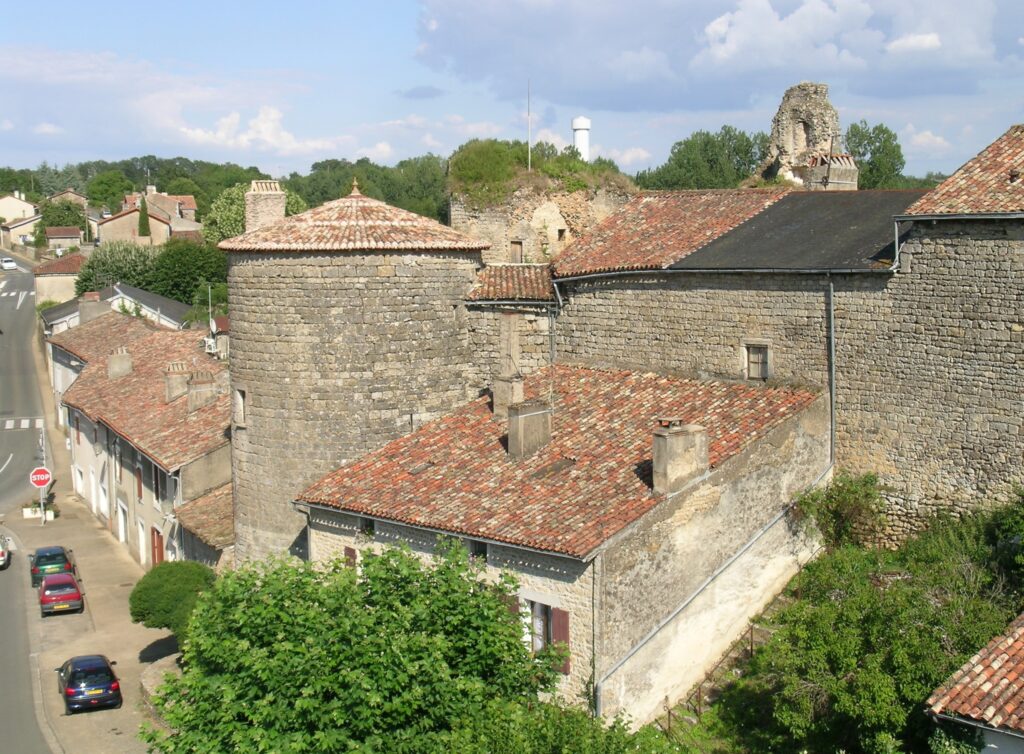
{"x": 108, "y": 574}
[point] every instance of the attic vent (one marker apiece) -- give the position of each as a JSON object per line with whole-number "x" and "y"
{"x": 554, "y": 467}
{"x": 420, "y": 467}
{"x": 1014, "y": 175}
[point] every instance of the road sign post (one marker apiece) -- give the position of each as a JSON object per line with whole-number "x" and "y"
{"x": 41, "y": 477}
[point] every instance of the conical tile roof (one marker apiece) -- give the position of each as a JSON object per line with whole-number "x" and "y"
{"x": 354, "y": 223}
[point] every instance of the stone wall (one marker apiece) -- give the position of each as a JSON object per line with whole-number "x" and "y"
{"x": 543, "y": 223}
{"x": 337, "y": 353}
{"x": 508, "y": 337}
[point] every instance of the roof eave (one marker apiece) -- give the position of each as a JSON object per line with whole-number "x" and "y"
{"x": 961, "y": 216}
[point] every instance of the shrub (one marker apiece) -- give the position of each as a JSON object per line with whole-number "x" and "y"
{"x": 45, "y": 304}
{"x": 165, "y": 596}
{"x": 846, "y": 511}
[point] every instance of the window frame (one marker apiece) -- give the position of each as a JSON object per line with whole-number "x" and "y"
{"x": 748, "y": 348}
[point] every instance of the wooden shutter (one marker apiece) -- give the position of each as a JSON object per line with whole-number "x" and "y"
{"x": 350, "y": 556}
{"x": 138, "y": 483}
{"x": 560, "y": 633}
{"x": 511, "y": 602}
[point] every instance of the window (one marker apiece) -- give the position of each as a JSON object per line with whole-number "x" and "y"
{"x": 366, "y": 526}
{"x": 546, "y": 625}
{"x": 138, "y": 484}
{"x": 118, "y": 459}
{"x": 159, "y": 486}
{"x": 516, "y": 252}
{"x": 239, "y": 407}
{"x": 477, "y": 550}
{"x": 757, "y": 361}
{"x": 561, "y": 235}
{"x": 78, "y": 433}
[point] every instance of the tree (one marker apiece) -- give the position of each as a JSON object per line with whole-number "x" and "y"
{"x": 143, "y": 219}
{"x": 708, "y": 160}
{"x": 165, "y": 596}
{"x": 226, "y": 217}
{"x": 116, "y": 262}
{"x": 181, "y": 267}
{"x": 182, "y": 186}
{"x": 108, "y": 189}
{"x": 62, "y": 214}
{"x": 877, "y": 153}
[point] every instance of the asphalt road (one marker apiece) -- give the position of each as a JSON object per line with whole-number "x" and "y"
{"x": 20, "y": 408}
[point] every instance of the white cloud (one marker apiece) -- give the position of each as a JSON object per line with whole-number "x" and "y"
{"x": 915, "y": 43}
{"x": 628, "y": 156}
{"x": 409, "y": 121}
{"x": 6, "y": 125}
{"x": 479, "y": 130}
{"x": 925, "y": 143}
{"x": 265, "y": 132}
{"x": 551, "y": 137}
{"x": 379, "y": 151}
{"x": 47, "y": 129}
{"x": 430, "y": 142}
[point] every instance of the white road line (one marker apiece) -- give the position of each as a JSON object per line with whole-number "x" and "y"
{"x": 6, "y": 462}
{"x": 21, "y": 297}
{"x": 25, "y": 423}
{"x": 9, "y": 424}
{"x": 3, "y": 284}
{"x": 39, "y": 423}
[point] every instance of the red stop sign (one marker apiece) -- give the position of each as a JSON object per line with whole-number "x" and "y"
{"x": 40, "y": 476}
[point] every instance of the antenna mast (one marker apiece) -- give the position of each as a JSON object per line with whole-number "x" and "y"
{"x": 529, "y": 131}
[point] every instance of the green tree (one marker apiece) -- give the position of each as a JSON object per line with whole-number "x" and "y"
{"x": 165, "y": 596}
{"x": 706, "y": 160}
{"x": 62, "y": 214}
{"x": 108, "y": 188}
{"x": 877, "y": 153}
{"x": 183, "y": 186}
{"x": 226, "y": 217}
{"x": 143, "y": 219}
{"x": 181, "y": 267}
{"x": 116, "y": 262}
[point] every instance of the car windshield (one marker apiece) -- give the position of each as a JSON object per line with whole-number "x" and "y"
{"x": 49, "y": 559}
{"x": 91, "y": 677}
{"x": 60, "y": 589}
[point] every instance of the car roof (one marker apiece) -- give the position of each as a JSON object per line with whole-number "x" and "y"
{"x": 51, "y": 550}
{"x": 88, "y": 661}
{"x": 56, "y": 578}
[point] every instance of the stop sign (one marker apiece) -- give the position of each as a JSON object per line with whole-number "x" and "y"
{"x": 40, "y": 476}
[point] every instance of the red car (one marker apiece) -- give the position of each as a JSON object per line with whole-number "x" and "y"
{"x": 60, "y": 593}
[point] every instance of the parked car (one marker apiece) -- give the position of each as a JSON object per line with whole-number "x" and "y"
{"x": 5, "y": 551}
{"x": 51, "y": 560}
{"x": 88, "y": 681}
{"x": 7, "y": 263}
{"x": 60, "y": 593}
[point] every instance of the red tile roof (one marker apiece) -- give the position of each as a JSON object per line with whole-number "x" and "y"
{"x": 590, "y": 481}
{"x": 992, "y": 182}
{"x": 653, "y": 230}
{"x": 354, "y": 223}
{"x": 69, "y": 264}
{"x": 64, "y": 231}
{"x": 989, "y": 687}
{"x": 211, "y": 517}
{"x": 93, "y": 340}
{"x": 187, "y": 201}
{"x": 130, "y": 211}
{"x": 513, "y": 282}
{"x": 135, "y": 405}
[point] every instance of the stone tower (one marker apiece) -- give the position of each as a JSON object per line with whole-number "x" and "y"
{"x": 805, "y": 142}
{"x": 347, "y": 330}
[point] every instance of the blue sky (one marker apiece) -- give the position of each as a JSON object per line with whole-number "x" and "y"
{"x": 282, "y": 85}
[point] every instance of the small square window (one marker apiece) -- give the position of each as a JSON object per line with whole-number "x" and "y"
{"x": 367, "y": 526}
{"x": 477, "y": 550}
{"x": 561, "y": 235}
{"x": 538, "y": 629}
{"x": 239, "y": 407}
{"x": 757, "y": 362}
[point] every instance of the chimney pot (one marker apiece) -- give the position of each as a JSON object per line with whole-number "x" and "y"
{"x": 507, "y": 390}
{"x": 529, "y": 427}
{"x": 119, "y": 363}
{"x": 176, "y": 380}
{"x": 679, "y": 453}
{"x": 264, "y": 204}
{"x": 202, "y": 390}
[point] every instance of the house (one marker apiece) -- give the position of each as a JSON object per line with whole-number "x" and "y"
{"x": 63, "y": 237}
{"x": 149, "y": 433}
{"x": 55, "y": 280}
{"x": 124, "y": 226}
{"x": 207, "y": 528}
{"x": 16, "y": 207}
{"x": 119, "y": 297}
{"x": 168, "y": 206}
{"x": 70, "y": 195}
{"x": 19, "y": 232}
{"x": 986, "y": 693}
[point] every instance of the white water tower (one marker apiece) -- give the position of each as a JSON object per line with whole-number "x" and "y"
{"x": 581, "y": 136}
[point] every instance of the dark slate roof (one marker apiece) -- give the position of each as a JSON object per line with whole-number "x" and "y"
{"x": 835, "y": 230}
{"x": 60, "y": 311}
{"x": 513, "y": 282}
{"x": 167, "y": 306}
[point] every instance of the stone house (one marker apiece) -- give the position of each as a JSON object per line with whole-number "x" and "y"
{"x": 149, "y": 433}
{"x": 167, "y": 206}
{"x": 124, "y": 226}
{"x": 63, "y": 237}
{"x": 19, "y": 232}
{"x": 70, "y": 195}
{"x": 55, "y": 280}
{"x": 16, "y": 207}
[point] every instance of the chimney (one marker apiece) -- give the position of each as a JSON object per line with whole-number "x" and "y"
{"x": 202, "y": 390}
{"x": 176, "y": 380}
{"x": 150, "y": 190}
{"x": 680, "y": 454}
{"x": 91, "y": 306}
{"x": 119, "y": 363}
{"x": 507, "y": 389}
{"x": 264, "y": 204}
{"x": 529, "y": 427}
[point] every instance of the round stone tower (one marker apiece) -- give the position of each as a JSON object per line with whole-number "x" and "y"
{"x": 347, "y": 330}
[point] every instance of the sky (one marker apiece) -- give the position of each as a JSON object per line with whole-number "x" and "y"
{"x": 283, "y": 85}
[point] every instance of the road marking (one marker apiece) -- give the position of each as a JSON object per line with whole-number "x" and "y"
{"x": 6, "y": 462}
{"x": 9, "y": 424}
{"x": 31, "y": 422}
{"x": 25, "y": 423}
{"x": 21, "y": 297}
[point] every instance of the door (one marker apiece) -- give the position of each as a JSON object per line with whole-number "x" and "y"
{"x": 122, "y": 522}
{"x": 142, "y": 543}
{"x": 156, "y": 554}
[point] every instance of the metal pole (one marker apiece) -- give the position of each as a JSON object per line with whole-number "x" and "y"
{"x": 42, "y": 490}
{"x": 529, "y": 131}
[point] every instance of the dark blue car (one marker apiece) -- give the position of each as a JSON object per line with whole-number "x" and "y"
{"x": 88, "y": 681}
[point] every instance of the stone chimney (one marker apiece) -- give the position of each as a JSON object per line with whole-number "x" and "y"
{"x": 264, "y": 204}
{"x": 176, "y": 380}
{"x": 119, "y": 363}
{"x": 680, "y": 454}
{"x": 90, "y": 306}
{"x": 202, "y": 390}
{"x": 529, "y": 427}
{"x": 507, "y": 390}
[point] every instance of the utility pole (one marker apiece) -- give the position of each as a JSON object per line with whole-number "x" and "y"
{"x": 42, "y": 490}
{"x": 529, "y": 130}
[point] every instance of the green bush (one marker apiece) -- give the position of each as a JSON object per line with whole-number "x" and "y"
{"x": 849, "y": 510}
{"x": 45, "y": 304}
{"x": 165, "y": 596}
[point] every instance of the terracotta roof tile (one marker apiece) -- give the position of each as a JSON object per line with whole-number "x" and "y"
{"x": 64, "y": 231}
{"x": 135, "y": 405}
{"x": 69, "y": 264}
{"x": 985, "y": 184}
{"x": 653, "y": 230}
{"x": 354, "y": 223}
{"x": 211, "y": 517}
{"x": 129, "y": 211}
{"x": 513, "y": 282}
{"x": 93, "y": 340}
{"x": 590, "y": 481}
{"x": 187, "y": 201}
{"x": 987, "y": 687}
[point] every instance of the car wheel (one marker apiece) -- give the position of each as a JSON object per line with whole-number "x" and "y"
{"x": 68, "y": 711}
{"x": 119, "y": 703}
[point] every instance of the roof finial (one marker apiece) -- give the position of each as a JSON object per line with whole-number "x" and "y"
{"x": 355, "y": 187}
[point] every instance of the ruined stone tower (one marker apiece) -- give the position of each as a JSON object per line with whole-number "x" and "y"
{"x": 805, "y": 145}
{"x": 347, "y": 330}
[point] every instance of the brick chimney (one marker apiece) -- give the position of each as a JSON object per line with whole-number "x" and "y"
{"x": 90, "y": 306}
{"x": 264, "y": 204}
{"x": 119, "y": 363}
{"x": 529, "y": 427}
{"x": 507, "y": 390}
{"x": 176, "y": 380}
{"x": 680, "y": 454}
{"x": 202, "y": 390}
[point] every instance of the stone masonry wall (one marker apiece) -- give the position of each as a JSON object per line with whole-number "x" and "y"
{"x": 337, "y": 354}
{"x": 520, "y": 334}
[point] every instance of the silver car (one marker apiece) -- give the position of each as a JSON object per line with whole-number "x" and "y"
{"x": 6, "y": 263}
